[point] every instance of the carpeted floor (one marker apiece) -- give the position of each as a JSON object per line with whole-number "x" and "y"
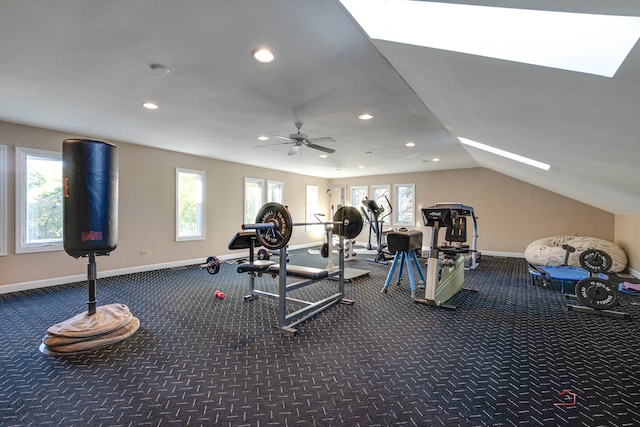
{"x": 500, "y": 359}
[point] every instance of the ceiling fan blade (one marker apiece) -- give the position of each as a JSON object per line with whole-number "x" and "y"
{"x": 283, "y": 137}
{"x": 270, "y": 145}
{"x": 294, "y": 150}
{"x": 323, "y": 138}
{"x": 321, "y": 148}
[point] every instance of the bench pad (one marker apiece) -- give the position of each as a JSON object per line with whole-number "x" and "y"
{"x": 301, "y": 271}
{"x": 258, "y": 266}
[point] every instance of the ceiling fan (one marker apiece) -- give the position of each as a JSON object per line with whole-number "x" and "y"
{"x": 299, "y": 139}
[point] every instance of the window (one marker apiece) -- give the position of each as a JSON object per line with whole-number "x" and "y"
{"x": 252, "y": 199}
{"x": 3, "y": 200}
{"x": 275, "y": 190}
{"x": 189, "y": 204}
{"x": 382, "y": 196}
{"x": 404, "y": 205}
{"x": 358, "y": 193}
{"x": 587, "y": 43}
{"x": 312, "y": 208}
{"x": 38, "y": 200}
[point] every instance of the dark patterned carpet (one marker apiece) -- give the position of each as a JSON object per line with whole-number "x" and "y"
{"x": 500, "y": 359}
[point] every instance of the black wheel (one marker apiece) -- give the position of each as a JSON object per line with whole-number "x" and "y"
{"x": 597, "y": 293}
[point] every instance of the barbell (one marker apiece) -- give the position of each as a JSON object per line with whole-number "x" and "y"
{"x": 274, "y": 224}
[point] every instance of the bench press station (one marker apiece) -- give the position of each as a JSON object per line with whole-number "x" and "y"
{"x": 273, "y": 229}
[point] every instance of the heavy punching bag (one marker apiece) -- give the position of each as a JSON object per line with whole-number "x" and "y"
{"x": 90, "y": 192}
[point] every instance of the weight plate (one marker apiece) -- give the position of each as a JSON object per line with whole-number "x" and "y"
{"x": 595, "y": 261}
{"x": 351, "y": 222}
{"x": 325, "y": 250}
{"x": 597, "y": 293}
{"x": 263, "y": 254}
{"x": 279, "y": 216}
{"x": 213, "y": 265}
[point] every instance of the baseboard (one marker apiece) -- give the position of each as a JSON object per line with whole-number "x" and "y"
{"x": 55, "y": 281}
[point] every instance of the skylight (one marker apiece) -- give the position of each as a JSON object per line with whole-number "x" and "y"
{"x": 587, "y": 43}
{"x": 504, "y": 153}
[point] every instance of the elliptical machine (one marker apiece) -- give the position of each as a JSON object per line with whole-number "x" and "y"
{"x": 444, "y": 276}
{"x": 374, "y": 215}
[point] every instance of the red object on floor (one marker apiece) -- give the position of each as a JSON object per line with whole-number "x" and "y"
{"x": 568, "y": 398}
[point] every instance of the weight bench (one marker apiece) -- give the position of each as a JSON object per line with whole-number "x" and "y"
{"x": 309, "y": 273}
{"x": 307, "y": 276}
{"x": 249, "y": 240}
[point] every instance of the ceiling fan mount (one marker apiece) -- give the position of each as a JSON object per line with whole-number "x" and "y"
{"x": 300, "y": 139}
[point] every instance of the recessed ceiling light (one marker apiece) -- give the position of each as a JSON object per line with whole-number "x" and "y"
{"x": 503, "y": 153}
{"x": 410, "y": 144}
{"x": 263, "y": 55}
{"x": 324, "y": 156}
{"x": 365, "y": 117}
{"x": 263, "y": 138}
{"x": 361, "y": 167}
{"x": 150, "y": 105}
{"x": 435, "y": 159}
{"x": 160, "y": 69}
{"x": 583, "y": 42}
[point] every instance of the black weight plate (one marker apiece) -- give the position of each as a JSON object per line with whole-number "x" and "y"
{"x": 350, "y": 220}
{"x": 595, "y": 261}
{"x": 213, "y": 265}
{"x": 325, "y": 250}
{"x": 263, "y": 254}
{"x": 279, "y": 215}
{"x": 597, "y": 293}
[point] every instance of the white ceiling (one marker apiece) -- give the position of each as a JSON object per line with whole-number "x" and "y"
{"x": 83, "y": 67}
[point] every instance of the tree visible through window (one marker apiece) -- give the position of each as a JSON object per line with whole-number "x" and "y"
{"x": 252, "y": 198}
{"x": 381, "y": 195}
{"x": 404, "y": 204}
{"x": 39, "y": 200}
{"x": 190, "y": 204}
{"x": 274, "y": 191}
{"x": 358, "y": 193}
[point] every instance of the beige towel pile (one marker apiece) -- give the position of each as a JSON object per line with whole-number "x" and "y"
{"x": 110, "y": 324}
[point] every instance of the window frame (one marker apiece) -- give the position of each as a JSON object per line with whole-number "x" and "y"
{"x": 246, "y": 181}
{"x": 201, "y": 207}
{"x": 312, "y": 206}
{"x": 3, "y": 200}
{"x": 396, "y": 203}
{"x": 21, "y": 247}
{"x": 277, "y": 184}
{"x": 354, "y": 188}
{"x": 387, "y": 187}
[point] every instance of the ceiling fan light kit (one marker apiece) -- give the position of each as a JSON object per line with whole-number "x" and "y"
{"x": 299, "y": 140}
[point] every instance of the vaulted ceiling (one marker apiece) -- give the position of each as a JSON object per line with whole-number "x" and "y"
{"x": 84, "y": 67}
